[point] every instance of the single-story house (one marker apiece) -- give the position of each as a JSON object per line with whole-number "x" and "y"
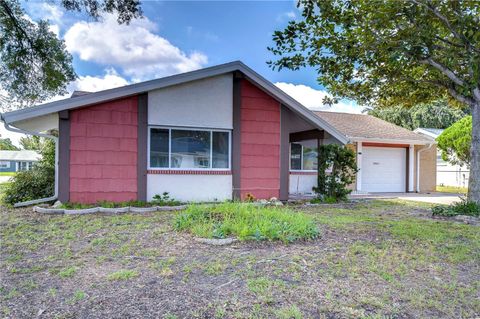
{"x": 14, "y": 161}
{"x": 447, "y": 173}
{"x": 217, "y": 133}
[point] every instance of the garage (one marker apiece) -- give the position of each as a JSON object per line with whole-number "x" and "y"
{"x": 384, "y": 169}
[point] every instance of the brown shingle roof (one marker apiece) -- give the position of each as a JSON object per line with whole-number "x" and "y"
{"x": 359, "y": 126}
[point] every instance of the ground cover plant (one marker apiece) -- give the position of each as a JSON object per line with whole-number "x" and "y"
{"x": 463, "y": 207}
{"x": 158, "y": 200}
{"x": 379, "y": 259}
{"x": 246, "y": 221}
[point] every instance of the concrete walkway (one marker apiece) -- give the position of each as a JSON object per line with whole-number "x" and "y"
{"x": 434, "y": 198}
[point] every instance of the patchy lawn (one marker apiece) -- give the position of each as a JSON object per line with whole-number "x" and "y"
{"x": 381, "y": 259}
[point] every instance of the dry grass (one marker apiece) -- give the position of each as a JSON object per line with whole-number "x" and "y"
{"x": 376, "y": 260}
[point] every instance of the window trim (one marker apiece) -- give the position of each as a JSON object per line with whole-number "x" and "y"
{"x": 186, "y": 128}
{"x": 301, "y": 161}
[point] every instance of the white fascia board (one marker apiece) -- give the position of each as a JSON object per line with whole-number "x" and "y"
{"x": 425, "y": 132}
{"x": 138, "y": 88}
{"x": 391, "y": 141}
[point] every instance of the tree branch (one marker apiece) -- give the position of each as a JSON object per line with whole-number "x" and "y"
{"x": 459, "y": 97}
{"x": 445, "y": 21}
{"x": 442, "y": 68}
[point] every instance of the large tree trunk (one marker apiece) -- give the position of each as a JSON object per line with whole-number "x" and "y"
{"x": 474, "y": 181}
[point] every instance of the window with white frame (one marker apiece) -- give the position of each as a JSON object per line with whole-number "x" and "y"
{"x": 303, "y": 157}
{"x": 180, "y": 148}
{"x": 4, "y": 164}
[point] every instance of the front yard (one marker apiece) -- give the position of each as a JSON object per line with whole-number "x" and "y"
{"x": 381, "y": 259}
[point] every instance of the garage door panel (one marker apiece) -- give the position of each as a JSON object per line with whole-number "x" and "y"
{"x": 383, "y": 169}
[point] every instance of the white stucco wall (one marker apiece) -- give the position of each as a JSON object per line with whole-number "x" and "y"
{"x": 191, "y": 188}
{"x": 203, "y": 103}
{"x": 301, "y": 183}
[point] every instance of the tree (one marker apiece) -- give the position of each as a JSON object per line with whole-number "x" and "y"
{"x": 7, "y": 145}
{"x": 388, "y": 52}
{"x": 32, "y": 142}
{"x": 455, "y": 142}
{"x": 35, "y": 64}
{"x": 39, "y": 182}
{"x": 437, "y": 114}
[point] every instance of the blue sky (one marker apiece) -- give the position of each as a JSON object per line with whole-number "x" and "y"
{"x": 176, "y": 37}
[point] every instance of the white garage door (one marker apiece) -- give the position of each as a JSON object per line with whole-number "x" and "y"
{"x": 384, "y": 169}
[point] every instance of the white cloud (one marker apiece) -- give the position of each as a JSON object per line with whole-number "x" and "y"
{"x": 111, "y": 79}
{"x": 286, "y": 16}
{"x": 46, "y": 11}
{"x": 313, "y": 99}
{"x": 135, "y": 49}
{"x": 88, "y": 83}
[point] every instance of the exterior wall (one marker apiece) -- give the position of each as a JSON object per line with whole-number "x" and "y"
{"x": 260, "y": 143}
{"x": 191, "y": 187}
{"x": 103, "y": 152}
{"x": 428, "y": 169}
{"x": 302, "y": 183}
{"x": 205, "y": 103}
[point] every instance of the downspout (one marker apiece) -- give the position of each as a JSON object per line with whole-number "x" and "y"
{"x": 418, "y": 163}
{"x": 55, "y": 139}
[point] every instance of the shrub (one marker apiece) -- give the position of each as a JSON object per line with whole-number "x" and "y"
{"x": 39, "y": 182}
{"x": 246, "y": 221}
{"x": 463, "y": 207}
{"x": 164, "y": 200}
{"x": 341, "y": 161}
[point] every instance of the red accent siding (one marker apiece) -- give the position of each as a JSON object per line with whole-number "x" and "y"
{"x": 103, "y": 152}
{"x": 260, "y": 143}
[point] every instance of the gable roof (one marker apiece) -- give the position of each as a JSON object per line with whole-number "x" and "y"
{"x": 23, "y": 155}
{"x": 363, "y": 127}
{"x": 142, "y": 87}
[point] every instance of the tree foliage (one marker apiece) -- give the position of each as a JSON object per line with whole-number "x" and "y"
{"x": 39, "y": 182}
{"x": 7, "y": 145}
{"x": 35, "y": 64}
{"x": 455, "y": 142}
{"x": 342, "y": 165}
{"x": 438, "y": 114}
{"x": 391, "y": 53}
{"x": 33, "y": 142}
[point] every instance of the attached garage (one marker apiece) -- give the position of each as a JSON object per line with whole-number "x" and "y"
{"x": 384, "y": 169}
{"x": 391, "y": 159}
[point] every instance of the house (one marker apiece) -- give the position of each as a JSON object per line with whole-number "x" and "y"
{"x": 213, "y": 134}
{"x": 14, "y": 161}
{"x": 447, "y": 173}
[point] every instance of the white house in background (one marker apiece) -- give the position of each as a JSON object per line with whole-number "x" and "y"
{"x": 447, "y": 174}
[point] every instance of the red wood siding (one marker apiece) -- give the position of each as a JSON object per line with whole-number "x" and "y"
{"x": 103, "y": 152}
{"x": 260, "y": 143}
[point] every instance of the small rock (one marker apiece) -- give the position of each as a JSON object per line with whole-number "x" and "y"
{"x": 57, "y": 204}
{"x": 216, "y": 242}
{"x": 467, "y": 219}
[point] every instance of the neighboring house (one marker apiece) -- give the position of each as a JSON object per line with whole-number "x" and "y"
{"x": 213, "y": 134}
{"x": 447, "y": 174}
{"x": 14, "y": 161}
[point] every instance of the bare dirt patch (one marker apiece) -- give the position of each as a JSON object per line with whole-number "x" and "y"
{"x": 373, "y": 259}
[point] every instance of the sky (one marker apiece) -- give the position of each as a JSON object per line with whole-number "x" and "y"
{"x": 175, "y": 37}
